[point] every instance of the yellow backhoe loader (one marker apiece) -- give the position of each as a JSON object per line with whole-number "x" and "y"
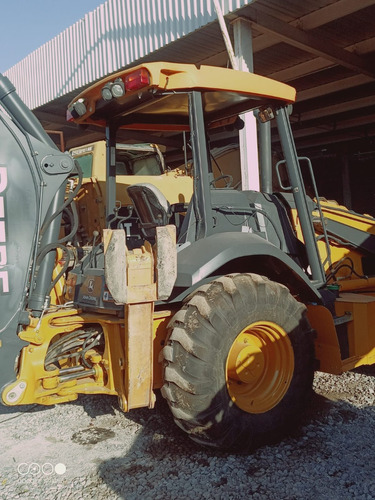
{"x": 228, "y": 309}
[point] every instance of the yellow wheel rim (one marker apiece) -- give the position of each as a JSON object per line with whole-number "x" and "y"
{"x": 259, "y": 367}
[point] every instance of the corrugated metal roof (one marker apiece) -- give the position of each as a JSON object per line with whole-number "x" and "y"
{"x": 116, "y": 34}
{"x": 322, "y": 47}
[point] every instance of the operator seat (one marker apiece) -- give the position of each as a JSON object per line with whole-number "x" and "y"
{"x": 152, "y": 207}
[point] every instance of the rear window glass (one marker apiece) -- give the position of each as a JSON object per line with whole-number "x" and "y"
{"x": 85, "y": 162}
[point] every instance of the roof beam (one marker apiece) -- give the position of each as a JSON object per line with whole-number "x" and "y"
{"x": 329, "y": 88}
{"x": 333, "y": 126}
{"x": 342, "y": 136}
{"x": 319, "y": 17}
{"x": 317, "y": 64}
{"x": 319, "y": 46}
{"x": 336, "y": 108}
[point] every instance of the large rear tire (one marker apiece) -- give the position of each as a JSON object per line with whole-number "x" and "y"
{"x": 238, "y": 363}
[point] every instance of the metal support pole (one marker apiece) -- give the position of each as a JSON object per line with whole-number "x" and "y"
{"x": 299, "y": 194}
{"x": 265, "y": 157}
{"x": 242, "y": 59}
{"x": 243, "y": 48}
{"x": 110, "y": 137}
{"x": 201, "y": 197}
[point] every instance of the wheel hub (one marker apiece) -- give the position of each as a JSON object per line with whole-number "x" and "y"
{"x": 246, "y": 360}
{"x": 260, "y": 367}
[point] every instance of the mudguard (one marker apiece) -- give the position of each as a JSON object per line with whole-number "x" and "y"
{"x": 207, "y": 257}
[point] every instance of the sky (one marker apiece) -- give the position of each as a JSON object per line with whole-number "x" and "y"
{"x": 25, "y": 25}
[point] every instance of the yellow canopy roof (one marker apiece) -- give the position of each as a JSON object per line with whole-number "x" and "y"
{"x": 161, "y": 101}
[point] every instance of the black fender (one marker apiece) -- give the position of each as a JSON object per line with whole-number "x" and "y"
{"x": 229, "y": 252}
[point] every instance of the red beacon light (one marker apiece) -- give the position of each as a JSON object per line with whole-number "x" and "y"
{"x": 137, "y": 80}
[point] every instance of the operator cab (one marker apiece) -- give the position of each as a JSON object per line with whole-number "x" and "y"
{"x": 195, "y": 112}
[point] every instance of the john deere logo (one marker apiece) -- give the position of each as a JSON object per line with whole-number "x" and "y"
{"x": 90, "y": 286}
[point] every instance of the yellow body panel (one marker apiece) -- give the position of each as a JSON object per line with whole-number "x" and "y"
{"x": 138, "y": 330}
{"x": 357, "y": 309}
{"x": 342, "y": 348}
{"x": 361, "y": 330}
{"x": 327, "y": 349}
{"x": 338, "y": 213}
{"x": 332, "y": 210}
{"x": 44, "y": 387}
{"x": 335, "y": 212}
{"x": 126, "y": 366}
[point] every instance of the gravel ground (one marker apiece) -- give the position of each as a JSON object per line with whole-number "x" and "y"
{"x": 90, "y": 450}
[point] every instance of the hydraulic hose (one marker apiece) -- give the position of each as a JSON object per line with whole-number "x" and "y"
{"x": 67, "y": 202}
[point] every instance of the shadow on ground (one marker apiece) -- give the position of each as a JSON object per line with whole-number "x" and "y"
{"x": 164, "y": 463}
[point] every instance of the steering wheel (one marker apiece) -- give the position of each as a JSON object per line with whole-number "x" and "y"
{"x": 224, "y": 176}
